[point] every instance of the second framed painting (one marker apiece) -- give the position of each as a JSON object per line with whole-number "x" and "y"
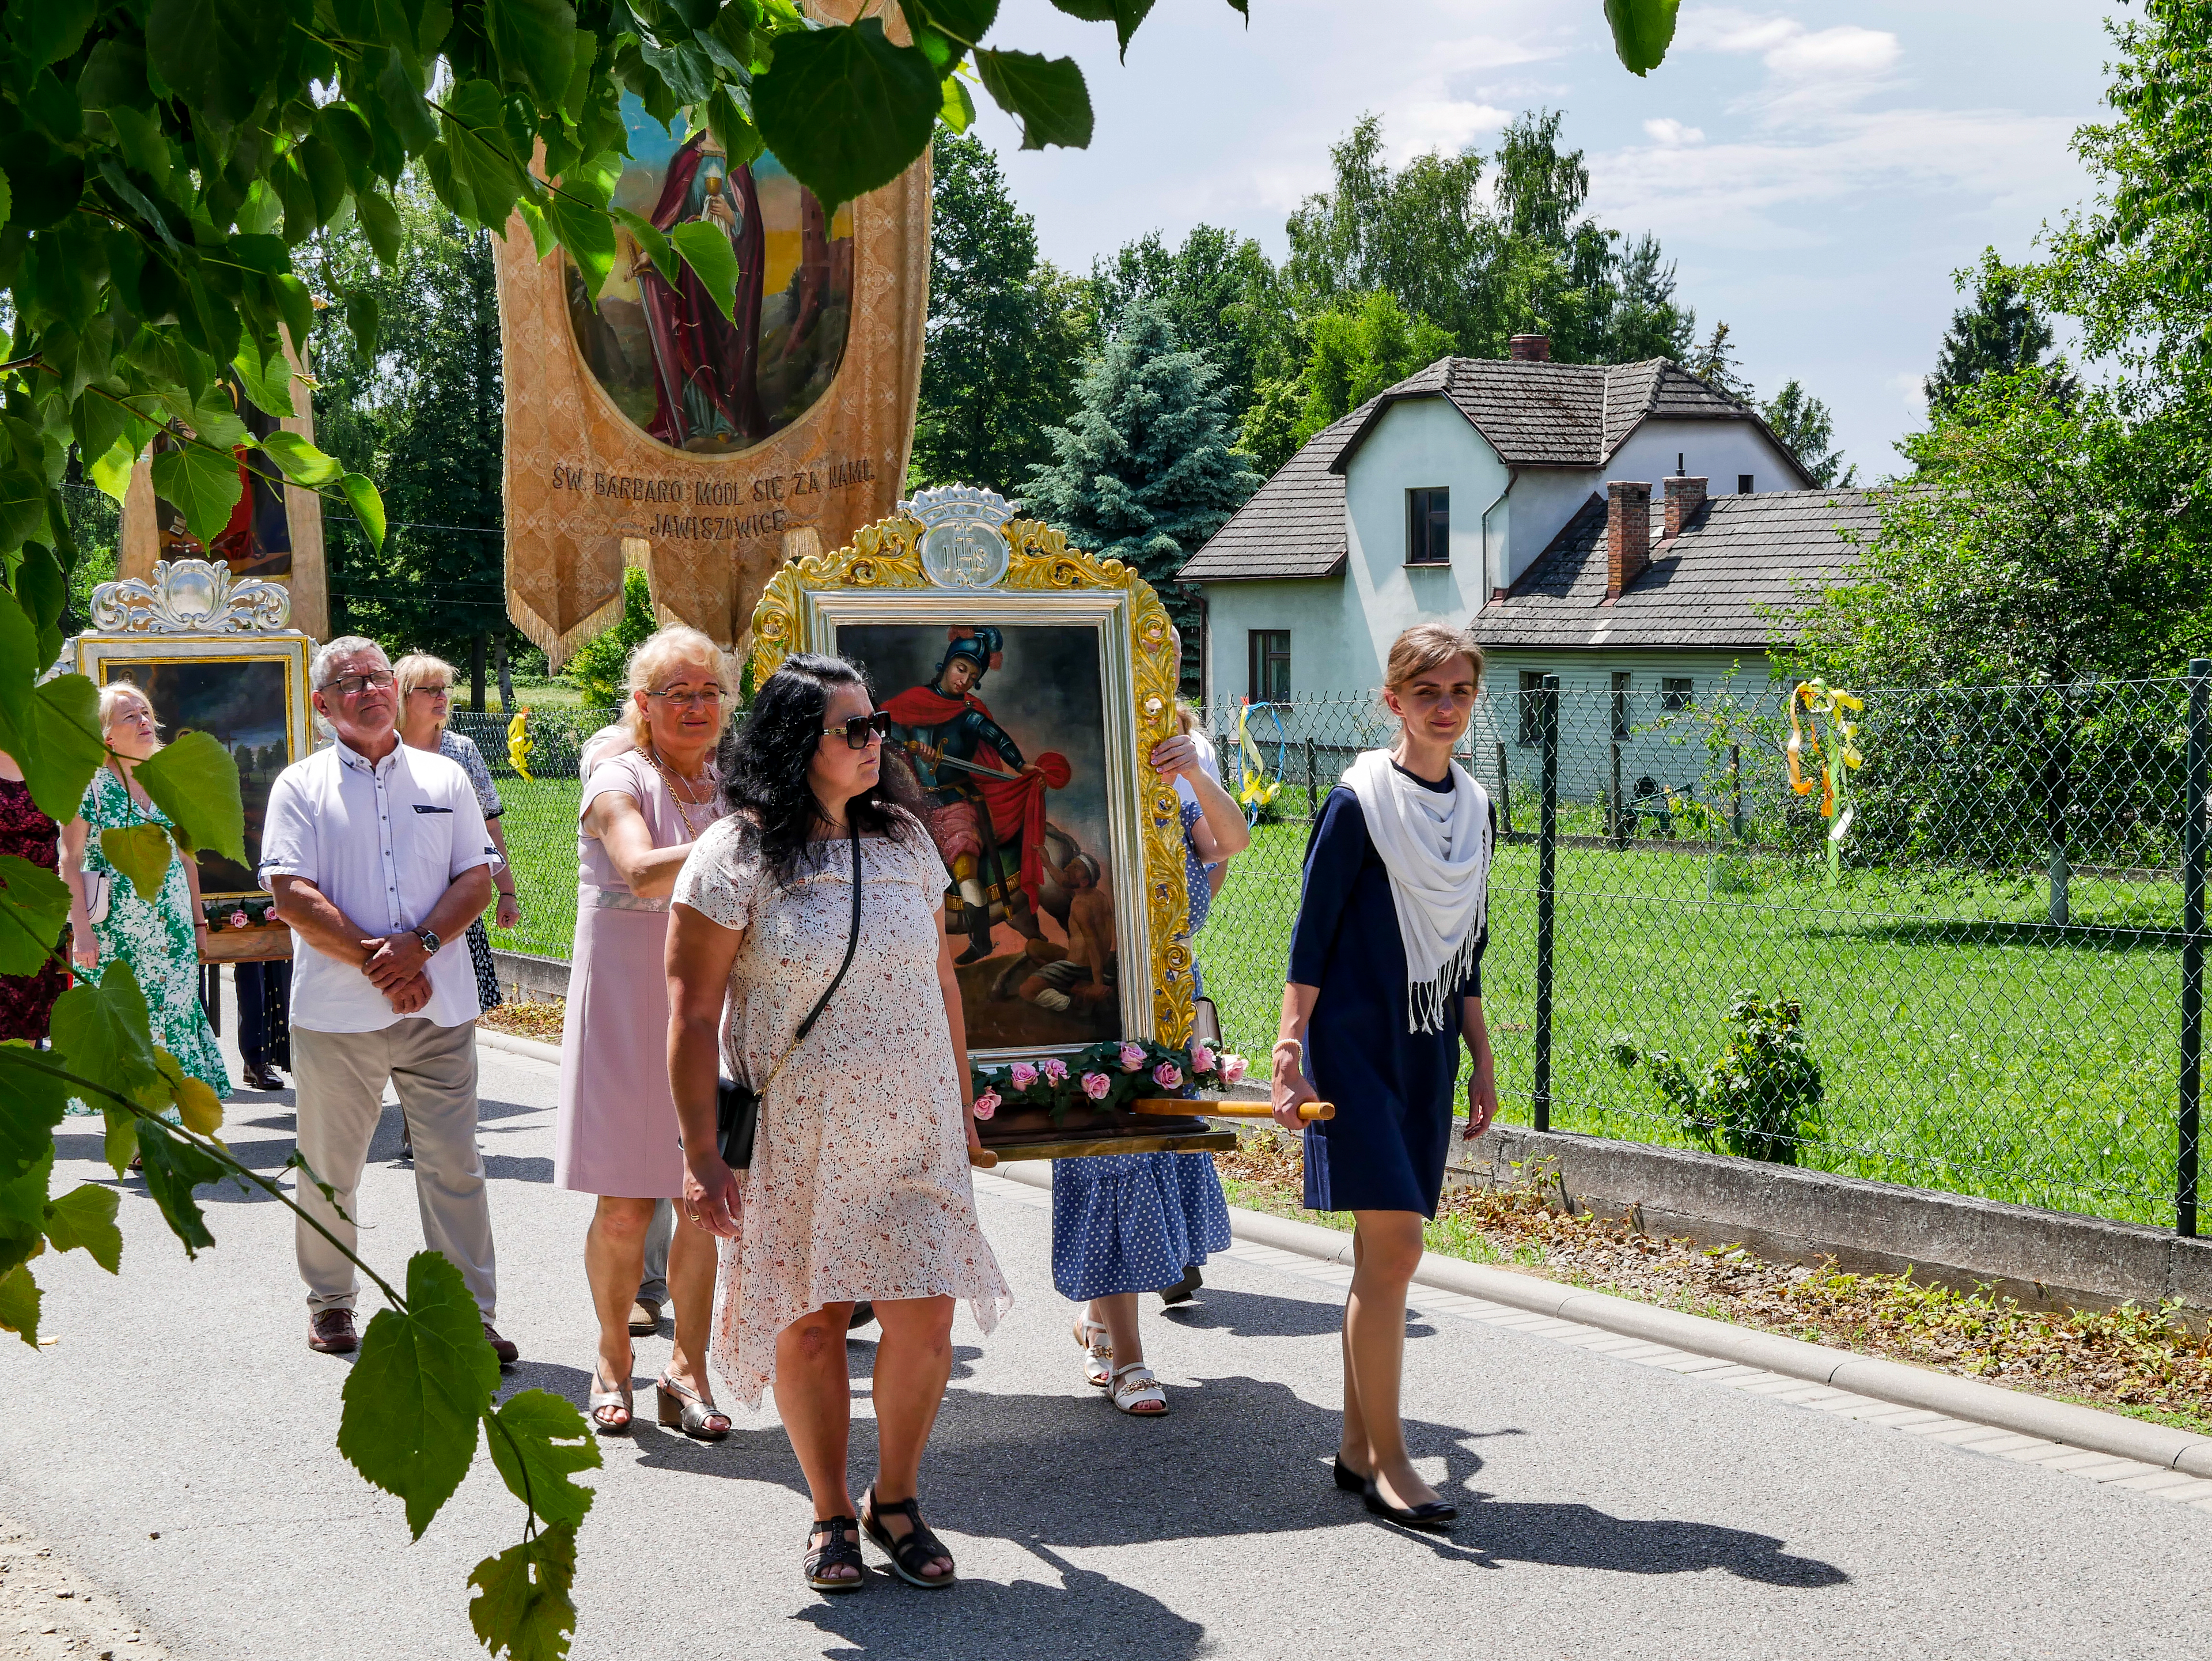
{"x": 1025, "y": 683}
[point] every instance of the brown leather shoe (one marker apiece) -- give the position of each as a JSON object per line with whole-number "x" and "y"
{"x": 332, "y": 1333}
{"x": 644, "y": 1317}
{"x": 508, "y": 1354}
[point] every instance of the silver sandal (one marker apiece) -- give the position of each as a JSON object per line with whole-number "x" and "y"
{"x": 681, "y": 1409}
{"x": 599, "y": 1400}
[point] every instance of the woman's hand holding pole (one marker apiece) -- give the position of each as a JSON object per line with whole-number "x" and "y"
{"x": 1292, "y": 1087}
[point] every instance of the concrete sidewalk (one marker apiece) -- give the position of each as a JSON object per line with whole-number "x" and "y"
{"x": 1608, "y": 1508}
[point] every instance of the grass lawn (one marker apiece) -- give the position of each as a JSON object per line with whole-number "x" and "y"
{"x": 1964, "y": 1044}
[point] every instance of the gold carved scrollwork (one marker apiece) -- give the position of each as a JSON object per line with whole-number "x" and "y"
{"x": 886, "y": 555}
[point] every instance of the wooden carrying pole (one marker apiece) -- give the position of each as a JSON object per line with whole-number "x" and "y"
{"x": 1169, "y": 1107}
{"x": 981, "y": 1158}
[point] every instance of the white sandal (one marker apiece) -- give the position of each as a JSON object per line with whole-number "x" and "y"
{"x": 1097, "y": 1353}
{"x": 1137, "y": 1393}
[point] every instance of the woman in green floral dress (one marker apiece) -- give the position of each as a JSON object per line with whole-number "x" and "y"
{"x": 158, "y": 937}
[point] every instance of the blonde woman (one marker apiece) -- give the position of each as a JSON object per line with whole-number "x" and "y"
{"x": 644, "y": 804}
{"x": 157, "y": 934}
{"x": 425, "y": 686}
{"x": 1385, "y": 982}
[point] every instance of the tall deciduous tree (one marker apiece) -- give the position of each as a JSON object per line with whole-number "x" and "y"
{"x": 1145, "y": 469}
{"x": 1007, "y": 332}
{"x": 2001, "y": 333}
{"x": 1222, "y": 295}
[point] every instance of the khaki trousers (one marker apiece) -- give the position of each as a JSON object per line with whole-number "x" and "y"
{"x": 340, "y": 1079}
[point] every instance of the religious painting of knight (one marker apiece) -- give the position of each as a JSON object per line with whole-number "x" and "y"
{"x": 1004, "y": 726}
{"x": 679, "y": 370}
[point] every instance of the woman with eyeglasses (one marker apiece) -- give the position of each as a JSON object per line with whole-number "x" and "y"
{"x": 1385, "y": 982}
{"x": 643, "y": 807}
{"x": 156, "y": 934}
{"x": 425, "y": 686}
{"x": 859, "y": 1185}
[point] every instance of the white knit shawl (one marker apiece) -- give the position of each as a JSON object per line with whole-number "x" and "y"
{"x": 1436, "y": 849}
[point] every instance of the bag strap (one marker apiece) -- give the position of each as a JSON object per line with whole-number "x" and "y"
{"x": 852, "y": 941}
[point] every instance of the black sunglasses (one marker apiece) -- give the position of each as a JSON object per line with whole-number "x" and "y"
{"x": 858, "y": 730}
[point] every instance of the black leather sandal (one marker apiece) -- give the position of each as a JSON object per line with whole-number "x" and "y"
{"x": 839, "y": 1549}
{"x": 909, "y": 1554}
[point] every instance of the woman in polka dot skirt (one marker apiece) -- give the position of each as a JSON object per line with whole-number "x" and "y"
{"x": 1124, "y": 1224}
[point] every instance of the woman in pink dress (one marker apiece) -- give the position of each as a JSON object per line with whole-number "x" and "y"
{"x": 642, "y": 808}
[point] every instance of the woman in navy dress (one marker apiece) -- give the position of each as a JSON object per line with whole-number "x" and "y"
{"x": 1124, "y": 1224}
{"x": 1385, "y": 982}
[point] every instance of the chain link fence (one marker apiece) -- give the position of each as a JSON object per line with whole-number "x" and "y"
{"x": 1977, "y": 986}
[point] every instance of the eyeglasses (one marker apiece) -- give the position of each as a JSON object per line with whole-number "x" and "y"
{"x": 435, "y": 691}
{"x": 860, "y": 729}
{"x": 347, "y": 686}
{"x": 712, "y": 695}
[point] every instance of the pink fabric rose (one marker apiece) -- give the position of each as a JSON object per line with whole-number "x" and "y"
{"x": 1096, "y": 1085}
{"x": 1201, "y": 1059}
{"x": 1132, "y": 1058}
{"x": 1168, "y": 1076}
{"x": 1234, "y": 1068}
{"x": 1022, "y": 1075}
{"x": 239, "y": 919}
{"x": 1053, "y": 1068}
{"x": 987, "y": 1103}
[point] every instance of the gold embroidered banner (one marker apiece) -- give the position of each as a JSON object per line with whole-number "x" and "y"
{"x": 650, "y": 429}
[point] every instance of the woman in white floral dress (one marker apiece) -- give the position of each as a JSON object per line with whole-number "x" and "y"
{"x": 158, "y": 934}
{"x": 858, "y": 1186}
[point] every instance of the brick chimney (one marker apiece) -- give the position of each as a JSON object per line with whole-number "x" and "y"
{"x": 1684, "y": 497}
{"x": 1628, "y": 534}
{"x": 1529, "y": 349}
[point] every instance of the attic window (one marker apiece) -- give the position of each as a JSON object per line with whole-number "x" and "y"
{"x": 1743, "y": 485}
{"x": 1676, "y": 692}
{"x": 1428, "y": 526}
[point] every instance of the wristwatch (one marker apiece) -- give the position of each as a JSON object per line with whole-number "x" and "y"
{"x": 430, "y": 941}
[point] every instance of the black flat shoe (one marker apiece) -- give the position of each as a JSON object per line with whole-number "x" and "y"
{"x": 840, "y": 1549}
{"x": 1433, "y": 1514}
{"x": 1181, "y": 1291}
{"x": 1348, "y": 1479}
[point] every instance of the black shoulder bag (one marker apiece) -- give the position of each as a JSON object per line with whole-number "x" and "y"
{"x": 737, "y": 1106}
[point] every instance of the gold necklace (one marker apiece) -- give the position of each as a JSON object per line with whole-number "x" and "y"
{"x": 685, "y": 803}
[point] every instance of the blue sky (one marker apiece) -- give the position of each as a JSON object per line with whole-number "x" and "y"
{"x": 1817, "y": 171}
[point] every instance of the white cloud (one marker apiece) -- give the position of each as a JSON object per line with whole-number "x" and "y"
{"x": 1439, "y": 124}
{"x": 1912, "y": 389}
{"x": 1669, "y": 131}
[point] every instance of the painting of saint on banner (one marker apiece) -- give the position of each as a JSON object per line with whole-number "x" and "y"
{"x": 1004, "y": 729}
{"x": 679, "y": 370}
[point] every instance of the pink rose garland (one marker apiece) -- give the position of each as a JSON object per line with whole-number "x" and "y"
{"x": 1096, "y": 1085}
{"x": 1053, "y": 1068}
{"x": 1132, "y": 1058}
{"x": 1167, "y": 1075}
{"x": 1022, "y": 1075}
{"x": 1201, "y": 1060}
{"x": 987, "y": 1103}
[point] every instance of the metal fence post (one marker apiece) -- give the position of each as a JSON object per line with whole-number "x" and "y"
{"x": 2056, "y": 769}
{"x": 1618, "y": 824}
{"x": 1735, "y": 789}
{"x": 1313, "y": 781}
{"x": 2195, "y": 786}
{"x": 1547, "y": 841}
{"x": 1504, "y": 793}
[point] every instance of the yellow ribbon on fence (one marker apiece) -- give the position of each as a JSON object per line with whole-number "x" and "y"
{"x": 1257, "y": 791}
{"x": 1817, "y": 698}
{"x": 519, "y": 742}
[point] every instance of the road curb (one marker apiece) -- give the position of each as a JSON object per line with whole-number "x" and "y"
{"x": 536, "y": 1049}
{"x": 1862, "y": 1375}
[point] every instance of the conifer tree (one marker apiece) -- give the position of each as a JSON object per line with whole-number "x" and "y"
{"x": 2001, "y": 333}
{"x": 1145, "y": 469}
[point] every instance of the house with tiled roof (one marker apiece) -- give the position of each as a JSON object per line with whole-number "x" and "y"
{"x": 1625, "y": 526}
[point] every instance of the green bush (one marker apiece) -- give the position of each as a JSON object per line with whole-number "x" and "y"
{"x": 1759, "y": 1098}
{"x": 599, "y": 669}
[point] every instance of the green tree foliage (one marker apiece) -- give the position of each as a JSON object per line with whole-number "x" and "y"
{"x": 1715, "y": 363}
{"x": 2001, "y": 333}
{"x": 1802, "y": 422}
{"x": 1360, "y": 347}
{"x": 600, "y": 668}
{"x": 425, "y": 415}
{"x": 1145, "y": 471}
{"x": 1223, "y": 295}
{"x": 1424, "y": 235}
{"x": 2043, "y": 538}
{"x": 1007, "y": 331}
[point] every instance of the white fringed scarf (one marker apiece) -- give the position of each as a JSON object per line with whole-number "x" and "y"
{"x": 1436, "y": 849}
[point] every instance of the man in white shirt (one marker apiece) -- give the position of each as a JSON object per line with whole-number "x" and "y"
{"x": 378, "y": 858}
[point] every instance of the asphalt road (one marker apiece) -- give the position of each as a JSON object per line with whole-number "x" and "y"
{"x": 1608, "y": 1509}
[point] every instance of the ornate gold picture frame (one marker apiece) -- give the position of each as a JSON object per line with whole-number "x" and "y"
{"x": 935, "y": 602}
